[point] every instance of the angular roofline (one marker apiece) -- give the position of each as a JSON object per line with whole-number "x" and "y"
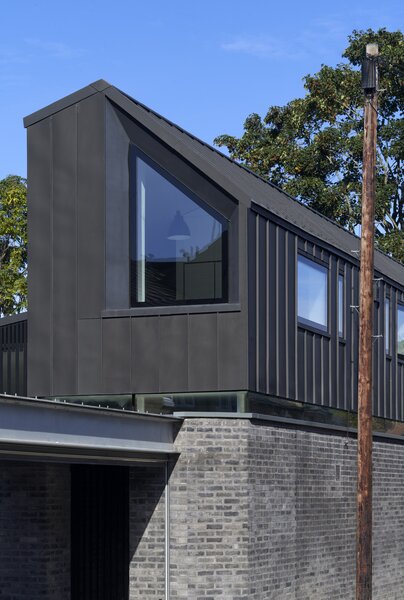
{"x": 97, "y": 86}
{"x": 249, "y": 171}
{"x": 122, "y": 99}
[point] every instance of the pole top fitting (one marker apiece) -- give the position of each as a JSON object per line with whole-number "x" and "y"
{"x": 370, "y": 74}
{"x": 372, "y": 50}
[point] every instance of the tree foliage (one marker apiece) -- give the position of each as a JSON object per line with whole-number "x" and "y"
{"x": 312, "y": 146}
{"x": 13, "y": 245}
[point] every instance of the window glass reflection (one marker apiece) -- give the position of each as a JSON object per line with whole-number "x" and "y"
{"x": 180, "y": 244}
{"x": 341, "y": 308}
{"x": 400, "y": 329}
{"x": 387, "y": 325}
{"x": 312, "y": 293}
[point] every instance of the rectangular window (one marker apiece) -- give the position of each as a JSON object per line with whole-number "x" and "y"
{"x": 400, "y": 329}
{"x": 341, "y": 305}
{"x": 387, "y": 325}
{"x": 312, "y": 298}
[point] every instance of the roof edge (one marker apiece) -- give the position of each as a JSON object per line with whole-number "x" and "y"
{"x": 93, "y": 88}
{"x": 16, "y": 318}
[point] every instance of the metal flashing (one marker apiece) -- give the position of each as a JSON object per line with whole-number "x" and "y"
{"x": 82, "y": 94}
{"x": 8, "y": 319}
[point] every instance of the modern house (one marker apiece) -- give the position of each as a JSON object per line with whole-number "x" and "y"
{"x": 179, "y": 410}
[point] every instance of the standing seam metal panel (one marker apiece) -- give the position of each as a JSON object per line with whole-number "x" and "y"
{"x": 13, "y": 361}
{"x": 326, "y": 367}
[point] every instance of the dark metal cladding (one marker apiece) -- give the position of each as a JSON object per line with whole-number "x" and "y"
{"x": 13, "y": 355}
{"x": 297, "y": 362}
{"x": 86, "y": 339}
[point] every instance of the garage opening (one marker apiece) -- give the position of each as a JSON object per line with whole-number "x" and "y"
{"x": 99, "y": 532}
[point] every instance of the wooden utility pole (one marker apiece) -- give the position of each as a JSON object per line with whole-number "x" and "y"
{"x": 364, "y": 492}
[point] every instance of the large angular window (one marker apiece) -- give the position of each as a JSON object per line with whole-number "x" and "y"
{"x": 178, "y": 242}
{"x": 312, "y": 298}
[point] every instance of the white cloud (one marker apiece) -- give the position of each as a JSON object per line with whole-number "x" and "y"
{"x": 261, "y": 47}
{"x": 53, "y": 49}
{"x": 9, "y": 57}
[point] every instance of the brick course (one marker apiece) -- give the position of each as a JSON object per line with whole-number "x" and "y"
{"x": 257, "y": 512}
{"x": 264, "y": 512}
{"x": 34, "y": 531}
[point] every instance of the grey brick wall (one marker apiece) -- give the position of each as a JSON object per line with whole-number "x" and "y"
{"x": 210, "y": 511}
{"x": 265, "y": 512}
{"x": 257, "y": 512}
{"x": 34, "y": 531}
{"x": 147, "y": 532}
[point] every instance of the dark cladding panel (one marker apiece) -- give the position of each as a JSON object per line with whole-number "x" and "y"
{"x": 253, "y": 220}
{"x": 64, "y": 252}
{"x": 13, "y": 357}
{"x": 117, "y": 212}
{"x": 173, "y": 353}
{"x": 89, "y": 358}
{"x": 377, "y": 351}
{"x": 232, "y": 359}
{"x": 280, "y": 291}
{"x": 116, "y": 355}
{"x": 145, "y": 353}
{"x": 301, "y": 370}
{"x": 202, "y": 359}
{"x": 400, "y": 386}
{"x": 336, "y": 394}
{"x": 309, "y": 365}
{"x": 291, "y": 314}
{"x": 262, "y": 300}
{"x": 348, "y": 328}
{"x": 354, "y": 338}
{"x": 91, "y": 209}
{"x": 40, "y": 235}
{"x": 299, "y": 362}
{"x": 273, "y": 355}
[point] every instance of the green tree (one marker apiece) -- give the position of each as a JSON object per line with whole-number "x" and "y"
{"x": 312, "y": 146}
{"x": 13, "y": 245}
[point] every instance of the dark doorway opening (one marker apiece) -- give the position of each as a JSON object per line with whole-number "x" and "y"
{"x": 100, "y": 532}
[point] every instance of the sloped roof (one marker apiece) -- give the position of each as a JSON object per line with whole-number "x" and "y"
{"x": 234, "y": 178}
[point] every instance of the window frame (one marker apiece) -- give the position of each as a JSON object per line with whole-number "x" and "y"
{"x": 302, "y": 321}
{"x": 400, "y": 308}
{"x": 134, "y": 153}
{"x": 387, "y": 326}
{"x": 342, "y": 302}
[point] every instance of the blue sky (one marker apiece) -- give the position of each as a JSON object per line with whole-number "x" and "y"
{"x": 205, "y": 65}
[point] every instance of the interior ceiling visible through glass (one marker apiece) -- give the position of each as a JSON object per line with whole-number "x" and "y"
{"x": 179, "y": 243}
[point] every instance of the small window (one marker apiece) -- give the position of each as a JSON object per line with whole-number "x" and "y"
{"x": 400, "y": 329}
{"x": 312, "y": 293}
{"x": 387, "y": 325}
{"x": 341, "y": 306}
{"x": 178, "y": 242}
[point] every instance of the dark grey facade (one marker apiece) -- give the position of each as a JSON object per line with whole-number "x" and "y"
{"x": 298, "y": 362}
{"x": 13, "y": 354}
{"x": 86, "y": 339}
{"x": 254, "y": 497}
